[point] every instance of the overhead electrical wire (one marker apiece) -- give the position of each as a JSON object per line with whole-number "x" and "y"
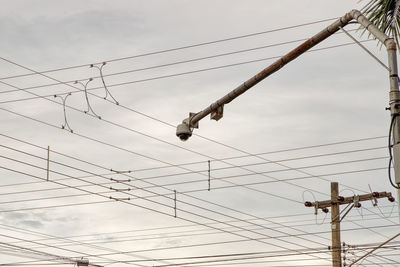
{"x": 190, "y": 172}
{"x": 27, "y": 68}
{"x": 140, "y": 234}
{"x": 320, "y": 234}
{"x": 136, "y": 131}
{"x": 71, "y": 241}
{"x": 177, "y": 48}
{"x": 129, "y": 129}
{"x": 156, "y": 186}
{"x": 33, "y": 71}
{"x": 108, "y": 235}
{"x": 191, "y": 213}
{"x": 166, "y": 64}
{"x": 204, "y": 162}
{"x": 280, "y": 254}
{"x": 197, "y": 245}
{"x": 68, "y": 83}
{"x": 185, "y": 219}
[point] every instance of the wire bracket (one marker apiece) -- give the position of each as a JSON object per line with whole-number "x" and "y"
{"x": 65, "y": 125}
{"x": 120, "y": 189}
{"x": 357, "y": 203}
{"x": 108, "y": 93}
{"x": 89, "y": 109}
{"x": 120, "y": 181}
{"x": 120, "y": 172}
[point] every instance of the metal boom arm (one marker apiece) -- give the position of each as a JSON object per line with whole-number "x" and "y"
{"x": 184, "y": 130}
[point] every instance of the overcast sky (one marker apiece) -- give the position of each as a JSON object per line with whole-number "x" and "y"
{"x": 335, "y": 94}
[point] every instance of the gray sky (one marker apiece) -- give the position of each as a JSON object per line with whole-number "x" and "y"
{"x": 334, "y": 94}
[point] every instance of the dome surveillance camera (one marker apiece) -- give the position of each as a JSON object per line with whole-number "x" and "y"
{"x": 183, "y": 131}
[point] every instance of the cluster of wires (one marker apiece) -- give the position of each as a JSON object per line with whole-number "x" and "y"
{"x": 301, "y": 245}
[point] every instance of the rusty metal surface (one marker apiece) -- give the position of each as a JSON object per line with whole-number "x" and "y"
{"x": 293, "y": 54}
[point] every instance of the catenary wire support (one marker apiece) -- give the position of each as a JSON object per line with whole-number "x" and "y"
{"x": 120, "y": 172}
{"x": 175, "y": 203}
{"x": 89, "y": 109}
{"x": 120, "y": 181}
{"x": 120, "y": 189}
{"x": 334, "y": 203}
{"x": 48, "y": 163}
{"x": 365, "y": 49}
{"x": 64, "y": 100}
{"x": 108, "y": 93}
{"x": 209, "y": 175}
{"x": 120, "y": 199}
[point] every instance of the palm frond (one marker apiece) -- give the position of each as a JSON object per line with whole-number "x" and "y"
{"x": 385, "y": 14}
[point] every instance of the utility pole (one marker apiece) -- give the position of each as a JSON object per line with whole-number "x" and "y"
{"x": 335, "y": 203}
{"x": 335, "y": 221}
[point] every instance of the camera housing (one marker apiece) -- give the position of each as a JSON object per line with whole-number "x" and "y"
{"x": 183, "y": 131}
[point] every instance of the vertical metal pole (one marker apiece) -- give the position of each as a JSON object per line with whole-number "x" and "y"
{"x": 209, "y": 176}
{"x": 48, "y": 162}
{"x": 394, "y": 109}
{"x": 335, "y": 215}
{"x": 175, "y": 203}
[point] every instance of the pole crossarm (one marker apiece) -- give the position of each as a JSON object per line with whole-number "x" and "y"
{"x": 334, "y": 203}
{"x": 348, "y": 200}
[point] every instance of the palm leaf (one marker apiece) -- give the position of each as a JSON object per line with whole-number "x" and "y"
{"x": 385, "y": 15}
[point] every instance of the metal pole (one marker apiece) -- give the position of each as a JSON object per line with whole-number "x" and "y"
{"x": 316, "y": 39}
{"x": 335, "y": 224}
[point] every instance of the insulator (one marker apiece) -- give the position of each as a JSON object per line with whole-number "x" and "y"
{"x": 307, "y": 204}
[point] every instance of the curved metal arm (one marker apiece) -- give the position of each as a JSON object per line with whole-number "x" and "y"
{"x": 215, "y": 109}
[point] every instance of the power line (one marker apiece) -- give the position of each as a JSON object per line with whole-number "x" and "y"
{"x": 164, "y": 141}
{"x": 68, "y": 83}
{"x": 191, "y": 213}
{"x": 223, "y": 159}
{"x": 164, "y": 65}
{"x": 154, "y": 236}
{"x": 176, "y": 48}
{"x": 185, "y": 219}
{"x": 198, "y": 181}
{"x": 129, "y": 128}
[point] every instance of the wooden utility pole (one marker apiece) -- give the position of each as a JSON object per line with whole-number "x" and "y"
{"x": 335, "y": 225}
{"x": 335, "y": 203}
